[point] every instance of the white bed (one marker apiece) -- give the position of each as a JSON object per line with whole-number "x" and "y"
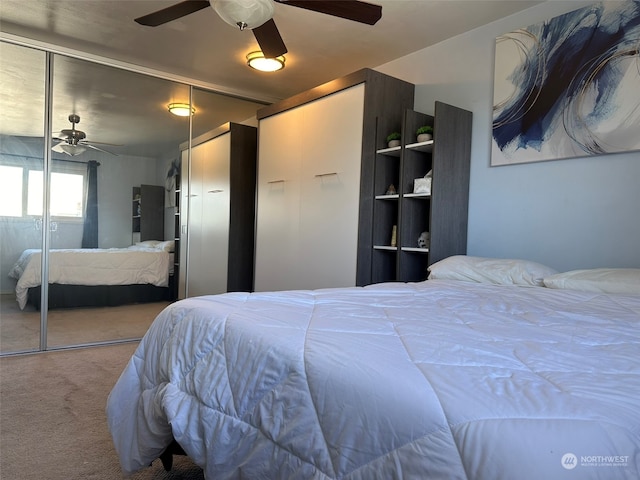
{"x": 140, "y": 264}
{"x": 439, "y": 379}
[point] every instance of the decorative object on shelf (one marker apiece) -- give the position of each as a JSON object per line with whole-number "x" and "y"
{"x": 394, "y": 236}
{"x": 391, "y": 190}
{"x": 393, "y": 139}
{"x": 424, "y": 133}
{"x": 423, "y": 240}
{"x": 423, "y": 185}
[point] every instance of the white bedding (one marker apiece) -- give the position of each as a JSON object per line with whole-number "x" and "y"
{"x": 92, "y": 266}
{"x": 439, "y": 379}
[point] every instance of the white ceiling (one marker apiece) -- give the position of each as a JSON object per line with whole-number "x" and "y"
{"x": 210, "y": 53}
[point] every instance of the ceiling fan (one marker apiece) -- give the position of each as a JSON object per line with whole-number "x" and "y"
{"x": 72, "y": 141}
{"x": 257, "y": 15}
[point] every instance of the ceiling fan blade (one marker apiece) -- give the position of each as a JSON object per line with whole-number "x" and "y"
{"x": 269, "y": 39}
{"x": 173, "y": 12}
{"x": 99, "y": 149}
{"x": 357, "y": 11}
{"x": 93, "y": 142}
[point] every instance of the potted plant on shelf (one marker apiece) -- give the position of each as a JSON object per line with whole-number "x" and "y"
{"x": 393, "y": 139}
{"x": 424, "y": 133}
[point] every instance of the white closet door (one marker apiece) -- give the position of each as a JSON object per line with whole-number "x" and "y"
{"x": 330, "y": 189}
{"x": 209, "y": 218}
{"x": 308, "y": 194}
{"x": 278, "y": 207}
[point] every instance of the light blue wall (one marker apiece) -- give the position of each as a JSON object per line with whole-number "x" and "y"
{"x": 568, "y": 214}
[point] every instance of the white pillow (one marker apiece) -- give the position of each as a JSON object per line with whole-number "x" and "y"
{"x": 167, "y": 246}
{"x": 600, "y": 280}
{"x": 497, "y": 271}
{"x": 148, "y": 243}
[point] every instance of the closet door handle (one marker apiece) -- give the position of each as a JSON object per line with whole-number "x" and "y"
{"x": 216, "y": 191}
{"x": 276, "y": 181}
{"x": 318, "y": 175}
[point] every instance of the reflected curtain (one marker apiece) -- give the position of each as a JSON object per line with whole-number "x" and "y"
{"x": 90, "y": 229}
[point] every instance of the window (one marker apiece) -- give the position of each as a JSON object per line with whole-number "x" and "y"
{"x": 67, "y": 193}
{"x": 10, "y": 191}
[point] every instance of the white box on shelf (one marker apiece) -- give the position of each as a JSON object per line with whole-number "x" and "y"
{"x": 423, "y": 185}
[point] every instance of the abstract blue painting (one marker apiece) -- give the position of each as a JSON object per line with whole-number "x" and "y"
{"x": 569, "y": 87}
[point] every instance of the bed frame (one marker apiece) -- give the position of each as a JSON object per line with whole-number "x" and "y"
{"x": 72, "y": 296}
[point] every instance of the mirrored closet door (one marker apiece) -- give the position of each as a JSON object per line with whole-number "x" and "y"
{"x": 106, "y": 171}
{"x": 111, "y": 256}
{"x": 22, "y": 119}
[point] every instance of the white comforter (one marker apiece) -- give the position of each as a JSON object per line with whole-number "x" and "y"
{"x": 92, "y": 266}
{"x": 440, "y": 379}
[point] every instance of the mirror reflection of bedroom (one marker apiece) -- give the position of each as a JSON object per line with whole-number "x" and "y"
{"x": 111, "y": 152}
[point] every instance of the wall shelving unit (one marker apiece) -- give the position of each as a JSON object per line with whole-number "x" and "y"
{"x": 442, "y": 213}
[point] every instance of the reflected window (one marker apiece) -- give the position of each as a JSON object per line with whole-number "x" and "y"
{"x": 67, "y": 193}
{"x": 10, "y": 191}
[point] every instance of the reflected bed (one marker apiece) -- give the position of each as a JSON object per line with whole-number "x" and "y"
{"x": 96, "y": 277}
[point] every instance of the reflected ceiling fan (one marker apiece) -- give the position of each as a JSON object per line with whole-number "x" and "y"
{"x": 257, "y": 15}
{"x": 73, "y": 141}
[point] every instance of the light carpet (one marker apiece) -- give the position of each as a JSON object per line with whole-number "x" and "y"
{"x": 20, "y": 329}
{"x": 52, "y": 417}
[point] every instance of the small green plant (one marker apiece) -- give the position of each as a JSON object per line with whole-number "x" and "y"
{"x": 393, "y": 136}
{"x": 424, "y": 129}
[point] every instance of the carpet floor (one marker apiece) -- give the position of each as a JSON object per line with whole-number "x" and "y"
{"x": 52, "y": 417}
{"x": 20, "y": 329}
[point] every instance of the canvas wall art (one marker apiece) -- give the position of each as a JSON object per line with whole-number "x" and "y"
{"x": 569, "y": 87}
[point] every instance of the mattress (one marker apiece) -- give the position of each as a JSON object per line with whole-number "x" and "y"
{"x": 437, "y": 379}
{"x": 93, "y": 266}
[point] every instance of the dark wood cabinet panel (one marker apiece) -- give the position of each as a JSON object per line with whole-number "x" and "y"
{"x": 148, "y": 212}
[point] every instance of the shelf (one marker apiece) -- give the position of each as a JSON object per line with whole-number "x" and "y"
{"x": 385, "y": 247}
{"x": 422, "y": 196}
{"x": 390, "y": 152}
{"x": 414, "y": 213}
{"x": 395, "y": 196}
{"x": 415, "y": 249}
{"x": 421, "y": 146}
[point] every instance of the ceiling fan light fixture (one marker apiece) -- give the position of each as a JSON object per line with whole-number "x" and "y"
{"x": 244, "y": 13}
{"x": 71, "y": 150}
{"x": 258, "y": 61}
{"x": 181, "y": 109}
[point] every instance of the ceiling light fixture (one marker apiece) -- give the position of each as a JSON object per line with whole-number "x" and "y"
{"x": 258, "y": 61}
{"x": 181, "y": 109}
{"x": 69, "y": 149}
{"x": 244, "y": 13}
